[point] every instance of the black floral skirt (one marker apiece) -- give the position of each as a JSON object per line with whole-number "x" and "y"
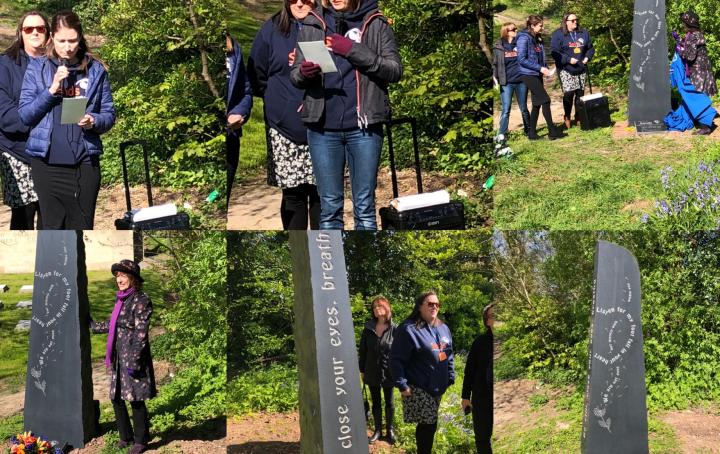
{"x": 288, "y": 163}
{"x": 18, "y": 188}
{"x": 421, "y": 407}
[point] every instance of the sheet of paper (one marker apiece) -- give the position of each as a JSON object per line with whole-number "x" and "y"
{"x": 154, "y": 212}
{"x": 73, "y": 109}
{"x": 315, "y": 51}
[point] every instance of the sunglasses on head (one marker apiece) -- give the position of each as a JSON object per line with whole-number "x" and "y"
{"x": 39, "y": 28}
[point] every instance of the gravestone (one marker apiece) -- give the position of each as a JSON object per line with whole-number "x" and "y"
{"x": 26, "y": 289}
{"x": 615, "y": 415}
{"x": 649, "y": 84}
{"x": 24, "y": 304}
{"x": 332, "y": 417}
{"x": 4, "y": 288}
{"x": 58, "y": 389}
{"x": 22, "y": 325}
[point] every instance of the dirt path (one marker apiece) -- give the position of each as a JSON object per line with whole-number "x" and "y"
{"x": 697, "y": 429}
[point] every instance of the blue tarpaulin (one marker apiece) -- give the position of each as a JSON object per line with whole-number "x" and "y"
{"x": 696, "y": 106}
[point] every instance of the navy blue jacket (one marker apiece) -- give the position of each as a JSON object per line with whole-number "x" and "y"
{"x": 531, "y": 54}
{"x": 36, "y": 106}
{"x": 268, "y": 70}
{"x": 422, "y": 357}
{"x": 573, "y": 45}
{"x": 13, "y": 132}
{"x": 239, "y": 93}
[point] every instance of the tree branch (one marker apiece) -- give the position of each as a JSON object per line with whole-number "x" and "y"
{"x": 203, "y": 51}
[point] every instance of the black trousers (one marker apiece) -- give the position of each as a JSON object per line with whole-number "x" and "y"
{"x": 232, "y": 144}
{"x": 140, "y": 421}
{"x": 297, "y": 204}
{"x": 377, "y": 406}
{"x": 569, "y": 99}
{"x": 23, "y": 218}
{"x": 67, "y": 194}
{"x": 540, "y": 100}
{"x": 482, "y": 426}
{"x": 424, "y": 436}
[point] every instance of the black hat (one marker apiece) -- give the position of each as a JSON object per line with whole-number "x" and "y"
{"x": 128, "y": 267}
{"x": 690, "y": 19}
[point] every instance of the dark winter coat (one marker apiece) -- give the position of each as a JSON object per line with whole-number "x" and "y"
{"x": 478, "y": 380}
{"x": 422, "y": 356}
{"x": 576, "y": 45}
{"x": 376, "y": 61}
{"x": 375, "y": 355}
{"x": 531, "y": 53}
{"x": 13, "y": 132}
{"x": 268, "y": 70}
{"x": 132, "y": 349}
{"x": 694, "y": 54}
{"x": 36, "y": 106}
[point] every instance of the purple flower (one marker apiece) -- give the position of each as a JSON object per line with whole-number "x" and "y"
{"x": 644, "y": 218}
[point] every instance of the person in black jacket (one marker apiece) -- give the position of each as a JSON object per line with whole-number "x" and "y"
{"x": 375, "y": 343}
{"x": 477, "y": 390}
{"x": 572, "y": 49}
{"x": 19, "y": 194}
{"x": 288, "y": 162}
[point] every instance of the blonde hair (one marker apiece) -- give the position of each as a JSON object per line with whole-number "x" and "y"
{"x": 505, "y": 29}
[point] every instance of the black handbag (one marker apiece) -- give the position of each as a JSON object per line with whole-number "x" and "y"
{"x": 366, "y": 404}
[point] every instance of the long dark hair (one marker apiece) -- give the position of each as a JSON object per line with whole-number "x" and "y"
{"x": 283, "y": 18}
{"x": 563, "y": 26}
{"x": 14, "y": 50}
{"x": 531, "y": 21}
{"x": 68, "y": 19}
{"x": 415, "y": 314}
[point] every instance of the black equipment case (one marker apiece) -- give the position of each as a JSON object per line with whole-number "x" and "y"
{"x": 445, "y": 216}
{"x": 594, "y": 113}
{"x": 180, "y": 221}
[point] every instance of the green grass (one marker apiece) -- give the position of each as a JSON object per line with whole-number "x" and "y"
{"x": 14, "y": 345}
{"x": 588, "y": 180}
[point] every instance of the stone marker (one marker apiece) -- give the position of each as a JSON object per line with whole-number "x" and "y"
{"x": 649, "y": 84}
{"x": 26, "y": 289}
{"x": 23, "y": 325}
{"x": 58, "y": 389}
{"x": 332, "y": 418}
{"x": 24, "y": 304}
{"x": 615, "y": 416}
{"x": 4, "y": 288}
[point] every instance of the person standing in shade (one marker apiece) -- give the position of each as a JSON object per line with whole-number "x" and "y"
{"x": 65, "y": 158}
{"x": 238, "y": 106}
{"x": 18, "y": 189}
{"x": 693, "y": 51}
{"x": 477, "y": 389}
{"x": 506, "y": 75}
{"x": 375, "y": 344}
{"x": 127, "y": 355}
{"x": 531, "y": 59}
{"x": 345, "y": 110}
{"x": 572, "y": 49}
{"x": 288, "y": 162}
{"x": 422, "y": 365}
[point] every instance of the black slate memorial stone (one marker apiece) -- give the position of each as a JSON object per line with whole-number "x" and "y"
{"x": 649, "y": 92}
{"x": 615, "y": 415}
{"x": 332, "y": 418}
{"x": 58, "y": 389}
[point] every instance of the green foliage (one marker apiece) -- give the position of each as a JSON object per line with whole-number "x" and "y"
{"x": 272, "y": 389}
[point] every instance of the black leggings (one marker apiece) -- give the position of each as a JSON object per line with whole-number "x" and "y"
{"x": 569, "y": 99}
{"x": 23, "y": 218}
{"x": 540, "y": 100}
{"x": 296, "y": 204}
{"x": 482, "y": 426}
{"x": 141, "y": 421}
{"x": 377, "y": 406}
{"x": 424, "y": 436}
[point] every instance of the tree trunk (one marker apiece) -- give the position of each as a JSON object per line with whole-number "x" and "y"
{"x": 203, "y": 52}
{"x": 481, "y": 12}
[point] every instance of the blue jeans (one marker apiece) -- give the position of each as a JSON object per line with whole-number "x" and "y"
{"x": 329, "y": 151}
{"x": 506, "y": 92}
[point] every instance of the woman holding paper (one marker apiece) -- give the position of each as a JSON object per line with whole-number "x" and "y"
{"x": 289, "y": 165}
{"x": 127, "y": 355}
{"x": 344, "y": 109}
{"x": 423, "y": 367}
{"x": 18, "y": 189}
{"x": 531, "y": 58}
{"x": 65, "y": 147}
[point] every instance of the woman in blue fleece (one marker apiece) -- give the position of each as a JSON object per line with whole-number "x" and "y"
{"x": 18, "y": 189}
{"x": 65, "y": 158}
{"x": 422, "y": 366}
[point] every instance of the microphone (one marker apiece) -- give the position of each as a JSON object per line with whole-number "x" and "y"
{"x": 65, "y": 83}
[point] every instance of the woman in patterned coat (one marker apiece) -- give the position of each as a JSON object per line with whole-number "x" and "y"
{"x": 128, "y": 356}
{"x": 693, "y": 50}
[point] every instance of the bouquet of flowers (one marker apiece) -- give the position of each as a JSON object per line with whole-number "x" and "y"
{"x": 29, "y": 443}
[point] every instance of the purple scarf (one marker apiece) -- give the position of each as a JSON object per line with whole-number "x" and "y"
{"x": 121, "y": 296}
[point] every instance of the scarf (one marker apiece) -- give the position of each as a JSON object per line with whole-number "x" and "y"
{"x": 121, "y": 296}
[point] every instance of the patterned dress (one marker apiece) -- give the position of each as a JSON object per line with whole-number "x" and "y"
{"x": 131, "y": 350}
{"x": 695, "y": 56}
{"x": 18, "y": 189}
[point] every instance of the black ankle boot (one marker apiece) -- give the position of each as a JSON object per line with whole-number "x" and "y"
{"x": 555, "y": 133}
{"x": 375, "y": 436}
{"x": 391, "y": 435}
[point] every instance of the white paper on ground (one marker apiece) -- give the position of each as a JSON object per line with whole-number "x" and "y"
{"x": 426, "y": 199}
{"x": 158, "y": 211}
{"x": 73, "y": 109}
{"x": 316, "y": 52}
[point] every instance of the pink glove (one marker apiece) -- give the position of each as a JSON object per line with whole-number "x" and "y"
{"x": 309, "y": 69}
{"x": 341, "y": 45}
